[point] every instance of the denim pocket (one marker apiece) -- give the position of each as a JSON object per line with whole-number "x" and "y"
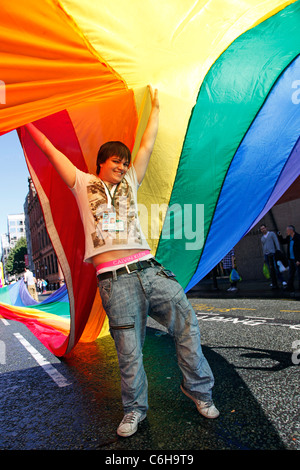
{"x": 105, "y": 289}
{"x": 124, "y": 335}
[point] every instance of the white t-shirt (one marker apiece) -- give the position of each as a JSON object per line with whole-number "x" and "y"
{"x": 28, "y": 278}
{"x": 109, "y": 226}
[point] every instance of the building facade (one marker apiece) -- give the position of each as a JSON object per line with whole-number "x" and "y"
{"x": 4, "y": 251}
{"x": 15, "y": 231}
{"x": 15, "y": 228}
{"x": 43, "y": 256}
{"x": 29, "y": 260}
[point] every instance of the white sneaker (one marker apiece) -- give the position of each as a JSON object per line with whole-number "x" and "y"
{"x": 129, "y": 423}
{"x": 206, "y": 408}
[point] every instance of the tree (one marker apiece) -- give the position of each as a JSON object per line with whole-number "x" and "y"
{"x": 15, "y": 263}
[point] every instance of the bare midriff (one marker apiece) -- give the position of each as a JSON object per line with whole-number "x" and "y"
{"x": 112, "y": 255}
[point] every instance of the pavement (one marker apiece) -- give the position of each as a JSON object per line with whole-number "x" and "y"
{"x": 256, "y": 388}
{"x": 250, "y": 289}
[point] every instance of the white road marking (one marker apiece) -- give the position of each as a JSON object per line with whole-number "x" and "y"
{"x": 5, "y": 321}
{"x": 260, "y": 318}
{"x": 246, "y": 320}
{"x": 58, "y": 378}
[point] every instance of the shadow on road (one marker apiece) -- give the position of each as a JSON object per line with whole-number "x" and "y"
{"x": 85, "y": 415}
{"x": 173, "y": 422}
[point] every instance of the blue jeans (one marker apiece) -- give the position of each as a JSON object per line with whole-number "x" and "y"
{"x": 274, "y": 269}
{"x": 293, "y": 268}
{"x": 127, "y": 301}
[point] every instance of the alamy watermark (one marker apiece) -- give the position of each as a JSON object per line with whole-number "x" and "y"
{"x": 296, "y": 352}
{"x": 176, "y": 222}
{"x": 181, "y": 223}
{"x": 2, "y": 92}
{"x": 2, "y": 352}
{"x": 296, "y": 93}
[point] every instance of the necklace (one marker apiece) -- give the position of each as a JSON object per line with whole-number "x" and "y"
{"x": 110, "y": 197}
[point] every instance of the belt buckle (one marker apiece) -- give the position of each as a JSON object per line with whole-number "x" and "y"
{"x": 128, "y": 270}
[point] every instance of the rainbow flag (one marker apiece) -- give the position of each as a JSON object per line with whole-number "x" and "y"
{"x": 228, "y": 142}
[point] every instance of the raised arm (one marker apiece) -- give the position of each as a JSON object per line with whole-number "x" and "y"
{"x": 60, "y": 162}
{"x": 147, "y": 143}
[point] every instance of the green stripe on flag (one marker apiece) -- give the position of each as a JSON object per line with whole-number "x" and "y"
{"x": 231, "y": 95}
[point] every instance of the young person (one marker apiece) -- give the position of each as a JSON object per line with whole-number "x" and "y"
{"x": 132, "y": 283}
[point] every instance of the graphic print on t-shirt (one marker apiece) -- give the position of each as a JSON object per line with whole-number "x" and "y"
{"x": 125, "y": 214}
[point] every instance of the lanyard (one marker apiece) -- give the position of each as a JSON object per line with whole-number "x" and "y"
{"x": 110, "y": 198}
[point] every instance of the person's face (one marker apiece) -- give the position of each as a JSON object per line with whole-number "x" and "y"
{"x": 113, "y": 169}
{"x": 263, "y": 229}
{"x": 289, "y": 231}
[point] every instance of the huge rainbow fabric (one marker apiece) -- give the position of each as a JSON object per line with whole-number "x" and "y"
{"x": 228, "y": 144}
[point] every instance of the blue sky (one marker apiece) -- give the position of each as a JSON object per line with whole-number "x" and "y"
{"x": 13, "y": 178}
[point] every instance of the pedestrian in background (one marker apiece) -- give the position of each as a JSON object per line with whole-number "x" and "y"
{"x": 228, "y": 263}
{"x": 270, "y": 245}
{"x": 44, "y": 285}
{"x": 292, "y": 241}
{"x": 30, "y": 281}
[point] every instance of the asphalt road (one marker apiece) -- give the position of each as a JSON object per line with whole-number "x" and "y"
{"x": 252, "y": 345}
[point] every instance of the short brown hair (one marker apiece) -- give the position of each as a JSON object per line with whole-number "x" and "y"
{"x": 110, "y": 149}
